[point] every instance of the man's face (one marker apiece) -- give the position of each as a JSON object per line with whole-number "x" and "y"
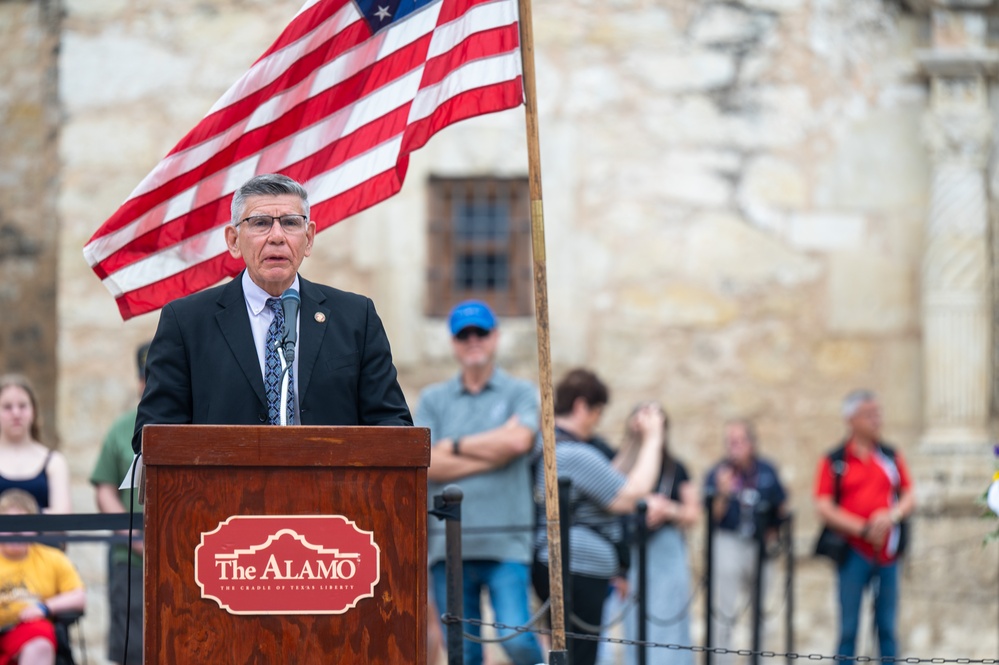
{"x": 738, "y": 445}
{"x": 866, "y": 420}
{"x": 475, "y": 347}
{"x": 273, "y": 258}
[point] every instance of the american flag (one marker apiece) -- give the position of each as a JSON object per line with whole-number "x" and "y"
{"x": 338, "y": 102}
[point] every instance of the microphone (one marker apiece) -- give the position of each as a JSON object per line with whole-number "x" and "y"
{"x": 290, "y": 302}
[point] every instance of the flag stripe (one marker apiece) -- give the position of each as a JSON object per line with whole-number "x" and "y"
{"x": 312, "y": 14}
{"x": 495, "y": 42}
{"x": 281, "y": 70}
{"x": 329, "y": 104}
{"x": 477, "y": 19}
{"x": 462, "y": 106}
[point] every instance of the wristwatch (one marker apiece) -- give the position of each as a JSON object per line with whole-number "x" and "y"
{"x": 456, "y": 446}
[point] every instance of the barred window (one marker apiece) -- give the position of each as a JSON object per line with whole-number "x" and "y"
{"x": 479, "y": 244}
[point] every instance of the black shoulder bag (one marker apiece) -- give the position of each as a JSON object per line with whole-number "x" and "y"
{"x": 832, "y": 543}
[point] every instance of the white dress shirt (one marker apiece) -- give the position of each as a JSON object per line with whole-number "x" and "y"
{"x": 260, "y": 320}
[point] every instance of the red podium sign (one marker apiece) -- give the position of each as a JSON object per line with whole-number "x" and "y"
{"x": 287, "y": 564}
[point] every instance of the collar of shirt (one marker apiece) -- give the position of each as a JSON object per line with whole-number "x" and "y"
{"x": 458, "y": 386}
{"x": 863, "y": 455}
{"x": 256, "y": 297}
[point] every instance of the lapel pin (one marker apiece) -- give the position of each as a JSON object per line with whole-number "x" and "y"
{"x": 320, "y": 317}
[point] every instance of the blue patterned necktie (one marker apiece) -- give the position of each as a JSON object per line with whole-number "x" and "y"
{"x": 272, "y": 368}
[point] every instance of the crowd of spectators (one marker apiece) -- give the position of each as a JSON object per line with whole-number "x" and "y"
{"x": 743, "y": 494}
{"x": 484, "y": 428}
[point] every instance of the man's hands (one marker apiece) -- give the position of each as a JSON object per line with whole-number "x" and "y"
{"x": 725, "y": 481}
{"x": 878, "y": 527}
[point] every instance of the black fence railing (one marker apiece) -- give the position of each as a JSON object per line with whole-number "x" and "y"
{"x": 638, "y": 599}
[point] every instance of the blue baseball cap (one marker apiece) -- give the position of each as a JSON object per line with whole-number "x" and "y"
{"x": 471, "y": 313}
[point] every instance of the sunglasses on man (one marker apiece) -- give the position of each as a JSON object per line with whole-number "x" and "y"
{"x": 465, "y": 333}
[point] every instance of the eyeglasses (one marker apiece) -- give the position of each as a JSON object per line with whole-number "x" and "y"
{"x": 259, "y": 225}
{"x": 465, "y": 333}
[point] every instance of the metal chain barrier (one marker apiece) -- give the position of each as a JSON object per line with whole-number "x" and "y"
{"x": 729, "y": 622}
{"x": 629, "y": 601}
{"x": 496, "y": 640}
{"x": 679, "y": 616}
{"x": 911, "y": 660}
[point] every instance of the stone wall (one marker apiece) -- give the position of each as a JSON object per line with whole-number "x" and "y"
{"x": 735, "y": 198}
{"x": 29, "y": 117}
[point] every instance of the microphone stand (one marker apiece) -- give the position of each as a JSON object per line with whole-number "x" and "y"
{"x": 290, "y": 302}
{"x": 285, "y": 375}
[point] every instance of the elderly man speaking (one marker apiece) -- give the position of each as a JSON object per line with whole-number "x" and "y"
{"x": 213, "y": 358}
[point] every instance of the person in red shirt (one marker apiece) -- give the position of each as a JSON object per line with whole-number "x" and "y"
{"x": 875, "y": 495}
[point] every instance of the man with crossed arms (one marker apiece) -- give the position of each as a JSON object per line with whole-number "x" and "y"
{"x": 482, "y": 427}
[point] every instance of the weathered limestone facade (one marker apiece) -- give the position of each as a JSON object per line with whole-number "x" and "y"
{"x": 29, "y": 226}
{"x": 752, "y": 207}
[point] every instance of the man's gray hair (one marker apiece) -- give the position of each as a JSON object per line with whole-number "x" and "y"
{"x": 267, "y": 184}
{"x": 854, "y": 399}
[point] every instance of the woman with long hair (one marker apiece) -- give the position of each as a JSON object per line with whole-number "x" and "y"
{"x": 26, "y": 463}
{"x": 669, "y": 590}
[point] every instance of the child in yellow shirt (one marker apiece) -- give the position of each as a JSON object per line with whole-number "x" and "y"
{"x": 36, "y": 581}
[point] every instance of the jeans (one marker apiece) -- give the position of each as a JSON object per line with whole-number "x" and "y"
{"x": 855, "y": 575}
{"x": 507, "y": 583}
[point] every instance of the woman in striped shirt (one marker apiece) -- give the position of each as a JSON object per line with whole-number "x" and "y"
{"x": 599, "y": 493}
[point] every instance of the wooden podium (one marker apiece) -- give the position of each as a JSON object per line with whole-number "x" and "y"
{"x": 205, "y": 479}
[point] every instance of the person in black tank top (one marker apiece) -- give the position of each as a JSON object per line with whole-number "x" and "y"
{"x": 25, "y": 463}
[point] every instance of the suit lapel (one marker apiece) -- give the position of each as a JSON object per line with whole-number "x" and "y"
{"x": 235, "y": 325}
{"x": 313, "y": 318}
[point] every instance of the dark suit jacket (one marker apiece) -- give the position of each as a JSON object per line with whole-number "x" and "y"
{"x": 202, "y": 367}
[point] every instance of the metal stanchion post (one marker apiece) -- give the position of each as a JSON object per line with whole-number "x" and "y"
{"x": 447, "y": 506}
{"x": 789, "y": 615}
{"x": 642, "y": 531}
{"x": 708, "y": 577}
{"x": 762, "y": 511}
{"x": 565, "y": 524}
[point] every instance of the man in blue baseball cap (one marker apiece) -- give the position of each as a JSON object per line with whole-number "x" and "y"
{"x": 482, "y": 427}
{"x": 472, "y": 314}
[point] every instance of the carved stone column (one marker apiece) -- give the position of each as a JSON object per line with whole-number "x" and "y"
{"x": 955, "y": 277}
{"x": 956, "y": 271}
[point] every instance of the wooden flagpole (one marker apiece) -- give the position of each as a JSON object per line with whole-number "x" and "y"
{"x": 558, "y": 654}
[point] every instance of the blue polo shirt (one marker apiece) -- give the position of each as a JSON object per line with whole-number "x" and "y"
{"x": 501, "y": 499}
